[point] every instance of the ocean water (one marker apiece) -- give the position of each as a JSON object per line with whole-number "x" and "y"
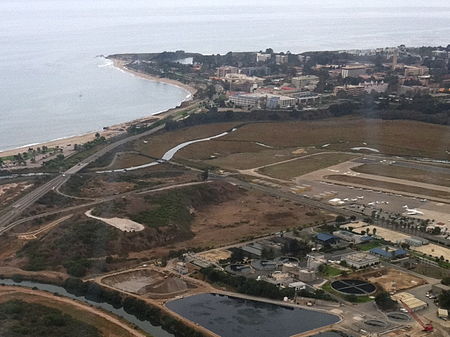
{"x": 52, "y": 84}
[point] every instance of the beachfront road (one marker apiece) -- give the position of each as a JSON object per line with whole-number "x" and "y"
{"x": 16, "y": 209}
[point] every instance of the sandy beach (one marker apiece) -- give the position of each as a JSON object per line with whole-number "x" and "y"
{"x": 122, "y": 65}
{"x": 67, "y": 143}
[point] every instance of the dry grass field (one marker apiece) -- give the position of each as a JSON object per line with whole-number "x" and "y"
{"x": 249, "y": 160}
{"x": 390, "y": 186}
{"x": 302, "y": 166}
{"x": 406, "y": 173}
{"x": 258, "y": 144}
{"x": 156, "y": 146}
{"x": 128, "y": 159}
{"x": 390, "y": 137}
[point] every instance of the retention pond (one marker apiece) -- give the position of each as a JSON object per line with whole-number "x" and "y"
{"x": 232, "y": 316}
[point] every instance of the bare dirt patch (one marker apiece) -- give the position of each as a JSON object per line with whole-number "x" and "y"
{"x": 9, "y": 192}
{"x": 393, "y": 280}
{"x": 125, "y": 225}
{"x": 148, "y": 282}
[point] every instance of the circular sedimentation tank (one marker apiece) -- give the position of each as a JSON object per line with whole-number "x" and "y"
{"x": 376, "y": 323}
{"x": 353, "y": 287}
{"x": 398, "y": 316}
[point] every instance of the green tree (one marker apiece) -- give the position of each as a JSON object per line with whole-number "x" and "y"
{"x": 444, "y": 299}
{"x": 384, "y": 301}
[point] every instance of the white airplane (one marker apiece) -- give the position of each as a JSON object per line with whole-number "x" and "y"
{"x": 412, "y": 211}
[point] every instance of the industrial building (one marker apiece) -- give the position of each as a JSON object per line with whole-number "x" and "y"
{"x": 410, "y": 300}
{"x": 389, "y": 252}
{"x": 439, "y": 288}
{"x": 361, "y": 260}
{"x": 351, "y": 237}
{"x": 416, "y": 241}
{"x": 327, "y": 239}
{"x": 296, "y": 272}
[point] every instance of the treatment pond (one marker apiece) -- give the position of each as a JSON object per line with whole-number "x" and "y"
{"x": 232, "y": 316}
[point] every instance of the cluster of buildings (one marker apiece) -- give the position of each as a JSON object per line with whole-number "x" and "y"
{"x": 263, "y": 100}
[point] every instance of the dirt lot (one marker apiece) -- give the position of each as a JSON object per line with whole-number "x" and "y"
{"x": 301, "y": 166}
{"x": 390, "y": 186}
{"x": 216, "y": 255}
{"x": 405, "y": 173}
{"x": 434, "y": 250}
{"x": 393, "y": 280}
{"x": 148, "y": 282}
{"x": 386, "y": 234}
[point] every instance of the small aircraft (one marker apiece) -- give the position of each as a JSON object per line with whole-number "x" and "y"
{"x": 412, "y": 211}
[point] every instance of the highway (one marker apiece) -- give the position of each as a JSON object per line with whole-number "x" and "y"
{"x": 13, "y": 211}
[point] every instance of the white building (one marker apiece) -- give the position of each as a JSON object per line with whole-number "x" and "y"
{"x": 262, "y": 57}
{"x": 378, "y": 87}
{"x": 263, "y": 100}
{"x": 361, "y": 260}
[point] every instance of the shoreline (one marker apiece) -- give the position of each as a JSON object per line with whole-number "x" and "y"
{"x": 66, "y": 143}
{"x": 121, "y": 64}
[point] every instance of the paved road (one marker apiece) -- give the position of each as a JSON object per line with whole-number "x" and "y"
{"x": 28, "y": 200}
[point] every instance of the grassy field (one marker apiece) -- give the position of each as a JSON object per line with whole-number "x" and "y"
{"x": 391, "y": 137}
{"x": 250, "y": 160}
{"x": 302, "y": 166}
{"x": 390, "y": 186}
{"x": 405, "y": 173}
{"x": 331, "y": 271}
{"x": 368, "y": 245}
{"x": 127, "y": 159}
{"x": 156, "y": 146}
